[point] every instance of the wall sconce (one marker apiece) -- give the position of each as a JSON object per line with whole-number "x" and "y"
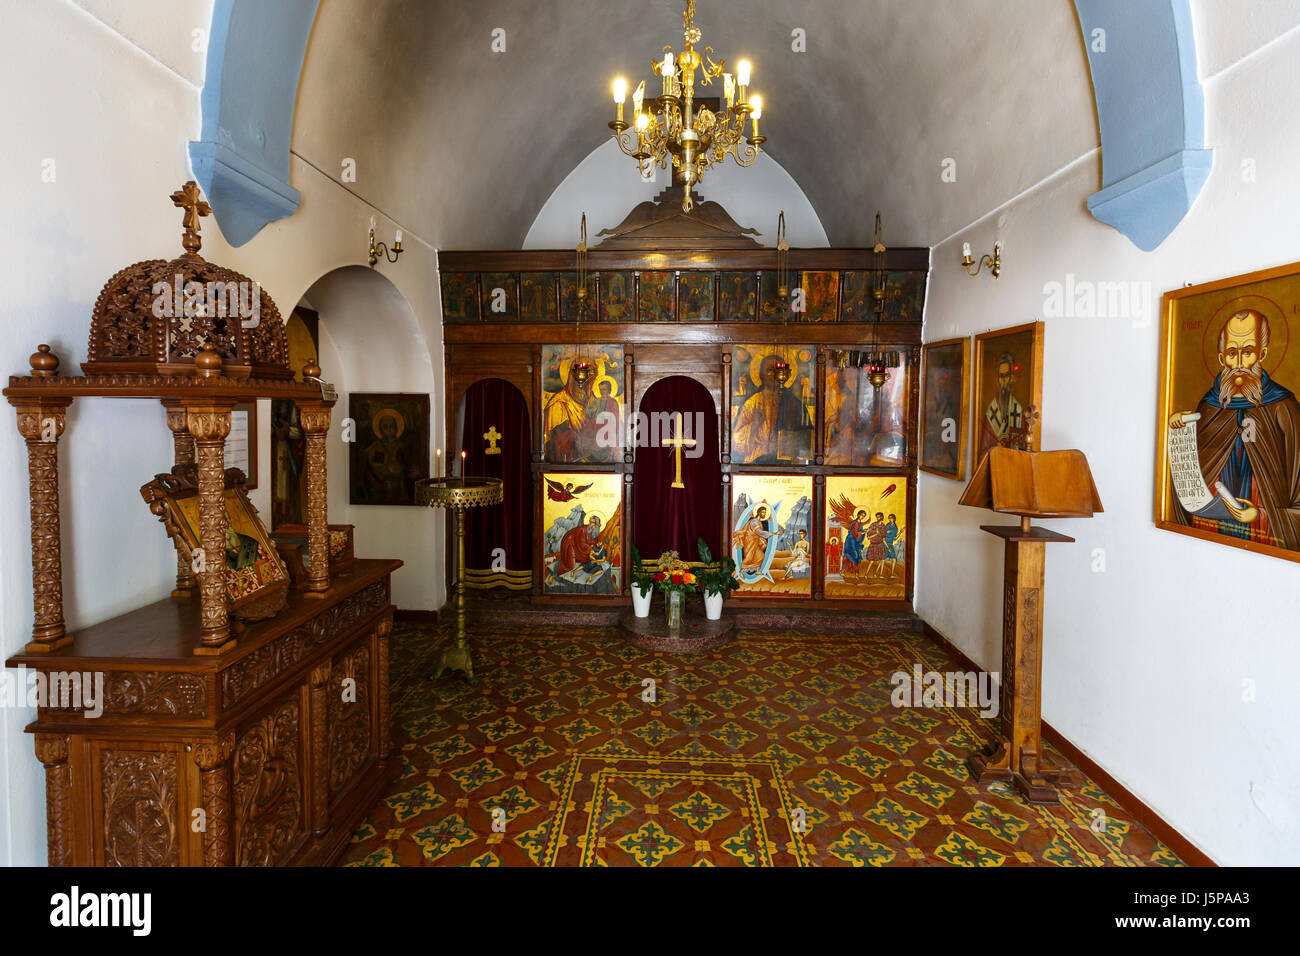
{"x": 378, "y": 249}
{"x": 994, "y": 262}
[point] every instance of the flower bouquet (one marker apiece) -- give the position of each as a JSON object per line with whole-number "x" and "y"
{"x": 675, "y": 579}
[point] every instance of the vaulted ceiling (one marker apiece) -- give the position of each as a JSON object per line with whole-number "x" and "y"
{"x": 463, "y": 145}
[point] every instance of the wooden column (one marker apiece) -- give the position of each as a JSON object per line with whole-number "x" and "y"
{"x": 209, "y": 423}
{"x": 382, "y": 630}
{"x": 182, "y": 454}
{"x": 315, "y": 420}
{"x": 1016, "y": 752}
{"x": 320, "y": 747}
{"x": 213, "y": 760}
{"x": 41, "y": 422}
{"x": 52, "y": 752}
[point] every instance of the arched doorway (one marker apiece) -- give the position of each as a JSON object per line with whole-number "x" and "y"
{"x": 496, "y": 437}
{"x": 671, "y": 508}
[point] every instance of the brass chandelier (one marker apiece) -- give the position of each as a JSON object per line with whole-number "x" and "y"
{"x": 670, "y": 129}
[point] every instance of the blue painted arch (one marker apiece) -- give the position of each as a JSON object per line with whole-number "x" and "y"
{"x": 255, "y": 54}
{"x": 1151, "y": 113}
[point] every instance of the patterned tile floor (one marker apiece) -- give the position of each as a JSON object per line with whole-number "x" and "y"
{"x": 781, "y": 749}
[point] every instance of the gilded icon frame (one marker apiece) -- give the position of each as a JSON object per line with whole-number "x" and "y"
{"x": 1184, "y": 319}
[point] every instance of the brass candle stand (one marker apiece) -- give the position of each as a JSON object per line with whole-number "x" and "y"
{"x": 458, "y": 495}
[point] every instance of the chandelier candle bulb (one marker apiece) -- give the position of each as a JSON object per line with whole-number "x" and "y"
{"x": 742, "y": 75}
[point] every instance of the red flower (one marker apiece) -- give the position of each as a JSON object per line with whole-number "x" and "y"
{"x": 677, "y": 578}
{"x": 660, "y": 576}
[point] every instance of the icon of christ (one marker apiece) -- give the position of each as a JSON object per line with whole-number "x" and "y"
{"x": 772, "y": 424}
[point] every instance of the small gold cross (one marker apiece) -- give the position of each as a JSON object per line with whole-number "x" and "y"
{"x": 493, "y": 436}
{"x": 678, "y": 443}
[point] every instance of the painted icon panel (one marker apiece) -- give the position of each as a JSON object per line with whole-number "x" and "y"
{"x": 945, "y": 387}
{"x": 1008, "y": 388}
{"x": 582, "y": 534}
{"x": 617, "y": 297}
{"x": 655, "y": 291}
{"x": 537, "y": 297}
{"x": 866, "y": 537}
{"x": 582, "y": 415}
{"x": 695, "y": 297}
{"x": 737, "y": 296}
{"x": 460, "y": 297}
{"x": 391, "y": 450}
{"x": 821, "y": 296}
{"x": 855, "y": 296}
{"x": 500, "y": 296}
{"x": 1228, "y": 461}
{"x": 773, "y": 403}
{"x": 572, "y": 306}
{"x": 772, "y": 306}
{"x": 771, "y": 534}
{"x": 866, "y": 426}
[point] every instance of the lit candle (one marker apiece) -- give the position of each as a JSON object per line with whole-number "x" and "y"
{"x": 620, "y": 94}
{"x": 437, "y": 468}
{"x": 757, "y": 102}
{"x": 462, "y": 468}
{"x": 742, "y": 77}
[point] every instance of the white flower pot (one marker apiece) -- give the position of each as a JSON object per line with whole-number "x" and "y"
{"x": 713, "y": 606}
{"x": 641, "y": 601}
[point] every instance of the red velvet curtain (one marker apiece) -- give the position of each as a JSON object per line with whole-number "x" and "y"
{"x": 494, "y": 404}
{"x": 664, "y": 517}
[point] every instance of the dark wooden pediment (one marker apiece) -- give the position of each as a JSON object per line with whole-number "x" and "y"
{"x": 660, "y": 223}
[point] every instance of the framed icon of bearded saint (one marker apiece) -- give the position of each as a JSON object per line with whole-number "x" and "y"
{"x": 1008, "y": 401}
{"x": 1228, "y": 422}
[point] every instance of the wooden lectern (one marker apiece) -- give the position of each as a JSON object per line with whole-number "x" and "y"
{"x": 1051, "y": 484}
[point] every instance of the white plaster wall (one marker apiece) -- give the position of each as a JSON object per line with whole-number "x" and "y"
{"x": 1144, "y": 663}
{"x": 606, "y": 185}
{"x": 115, "y": 113}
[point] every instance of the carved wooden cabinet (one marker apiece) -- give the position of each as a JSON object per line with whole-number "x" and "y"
{"x": 267, "y": 755}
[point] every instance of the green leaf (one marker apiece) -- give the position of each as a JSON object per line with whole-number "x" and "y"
{"x": 636, "y": 556}
{"x": 705, "y": 555}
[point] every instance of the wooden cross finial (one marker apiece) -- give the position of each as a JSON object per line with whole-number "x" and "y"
{"x": 189, "y": 199}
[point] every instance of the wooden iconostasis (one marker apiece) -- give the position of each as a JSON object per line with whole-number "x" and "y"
{"x": 823, "y": 462}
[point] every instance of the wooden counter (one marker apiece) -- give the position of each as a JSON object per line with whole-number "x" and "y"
{"x": 269, "y": 754}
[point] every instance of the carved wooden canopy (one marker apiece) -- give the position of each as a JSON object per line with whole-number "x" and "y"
{"x": 157, "y": 315}
{"x": 659, "y": 223}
